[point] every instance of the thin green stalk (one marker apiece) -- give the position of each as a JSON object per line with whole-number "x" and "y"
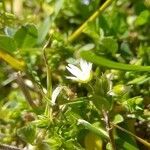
{"x": 12, "y": 6}
{"x": 4, "y": 12}
{"x": 90, "y": 19}
{"x": 48, "y": 110}
{"x": 4, "y": 6}
{"x": 49, "y": 82}
{"x": 136, "y": 137}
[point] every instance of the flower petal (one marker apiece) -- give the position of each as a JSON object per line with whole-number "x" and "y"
{"x": 82, "y": 74}
{"x": 55, "y": 94}
{"x": 74, "y": 70}
{"x": 90, "y": 66}
{"x": 83, "y": 65}
{"x": 72, "y": 78}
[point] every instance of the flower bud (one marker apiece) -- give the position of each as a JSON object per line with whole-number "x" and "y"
{"x": 119, "y": 89}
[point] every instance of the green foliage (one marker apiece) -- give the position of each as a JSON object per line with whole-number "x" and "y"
{"x": 4, "y": 40}
{"x": 39, "y": 38}
{"x": 118, "y": 119}
{"x": 26, "y": 36}
{"x": 109, "y": 45}
{"x": 143, "y": 18}
{"x": 43, "y": 29}
{"x": 101, "y": 61}
{"x": 27, "y": 133}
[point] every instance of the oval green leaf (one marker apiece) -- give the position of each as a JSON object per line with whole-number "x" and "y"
{"x": 26, "y": 36}
{"x": 7, "y": 44}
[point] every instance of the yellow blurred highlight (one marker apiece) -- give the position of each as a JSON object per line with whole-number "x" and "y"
{"x": 13, "y": 62}
{"x": 93, "y": 142}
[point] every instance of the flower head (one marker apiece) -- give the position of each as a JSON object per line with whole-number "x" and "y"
{"x": 80, "y": 74}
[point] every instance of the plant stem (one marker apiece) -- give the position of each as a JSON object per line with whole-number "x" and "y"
{"x": 136, "y": 137}
{"x": 12, "y": 61}
{"x": 8, "y": 147}
{"x": 12, "y": 6}
{"x": 4, "y": 12}
{"x": 25, "y": 90}
{"x": 91, "y": 18}
{"x": 48, "y": 110}
{"x": 49, "y": 82}
{"x": 109, "y": 129}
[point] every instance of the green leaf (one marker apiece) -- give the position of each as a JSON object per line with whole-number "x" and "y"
{"x": 26, "y": 36}
{"x": 44, "y": 29}
{"x": 125, "y": 49}
{"x": 98, "y": 131}
{"x": 126, "y": 144}
{"x": 7, "y": 44}
{"x": 139, "y": 80}
{"x": 101, "y": 102}
{"x": 125, "y": 141}
{"x": 118, "y": 118}
{"x": 87, "y": 47}
{"x": 58, "y": 6}
{"x": 43, "y": 146}
{"x": 45, "y": 26}
{"x": 54, "y": 141}
{"x": 143, "y": 18}
{"x": 27, "y": 133}
{"x": 109, "y": 44}
{"x": 134, "y": 104}
{"x": 101, "y": 61}
{"x": 43, "y": 121}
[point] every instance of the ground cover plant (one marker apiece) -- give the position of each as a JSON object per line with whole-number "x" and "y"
{"x": 74, "y": 75}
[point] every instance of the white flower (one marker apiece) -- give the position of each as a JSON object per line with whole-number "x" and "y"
{"x": 82, "y": 74}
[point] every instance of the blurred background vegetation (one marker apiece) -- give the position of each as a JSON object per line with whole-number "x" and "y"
{"x": 34, "y": 41}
